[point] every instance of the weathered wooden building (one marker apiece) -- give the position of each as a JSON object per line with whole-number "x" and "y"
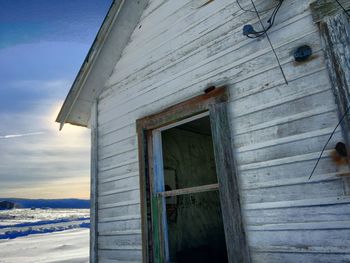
{"x": 185, "y": 172}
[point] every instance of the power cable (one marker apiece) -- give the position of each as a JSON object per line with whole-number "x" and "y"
{"x": 252, "y": 11}
{"x": 267, "y": 35}
{"x": 346, "y": 11}
{"x": 250, "y": 32}
{"x": 329, "y": 139}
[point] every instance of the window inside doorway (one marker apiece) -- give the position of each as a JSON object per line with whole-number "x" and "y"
{"x": 186, "y": 188}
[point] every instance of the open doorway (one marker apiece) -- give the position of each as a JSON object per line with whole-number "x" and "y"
{"x": 193, "y": 224}
{"x": 190, "y": 202}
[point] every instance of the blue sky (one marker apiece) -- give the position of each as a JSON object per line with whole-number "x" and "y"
{"x": 42, "y": 45}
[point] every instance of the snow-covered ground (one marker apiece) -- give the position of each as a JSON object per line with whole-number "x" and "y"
{"x": 71, "y": 246}
{"x": 23, "y": 222}
{"x": 44, "y": 235}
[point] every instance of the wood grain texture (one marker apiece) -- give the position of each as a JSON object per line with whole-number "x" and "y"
{"x": 94, "y": 186}
{"x": 226, "y": 169}
{"x": 335, "y": 33}
{"x": 174, "y": 53}
{"x": 322, "y": 9}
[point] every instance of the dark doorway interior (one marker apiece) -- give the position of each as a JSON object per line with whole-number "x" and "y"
{"x": 194, "y": 220}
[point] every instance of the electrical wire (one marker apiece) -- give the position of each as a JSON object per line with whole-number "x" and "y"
{"x": 346, "y": 11}
{"x": 342, "y": 118}
{"x": 252, "y": 11}
{"x": 329, "y": 139}
{"x": 270, "y": 21}
{"x": 268, "y": 38}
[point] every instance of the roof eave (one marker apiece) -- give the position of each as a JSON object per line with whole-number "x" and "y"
{"x": 87, "y": 65}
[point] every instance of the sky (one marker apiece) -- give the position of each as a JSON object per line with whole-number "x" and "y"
{"x": 42, "y": 46}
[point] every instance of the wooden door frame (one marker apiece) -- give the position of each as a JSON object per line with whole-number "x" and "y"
{"x": 215, "y": 102}
{"x": 333, "y": 24}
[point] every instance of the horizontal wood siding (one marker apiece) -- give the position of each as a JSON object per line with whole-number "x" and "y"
{"x": 178, "y": 50}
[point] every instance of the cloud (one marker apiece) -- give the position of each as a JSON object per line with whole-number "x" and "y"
{"x": 36, "y": 164}
{"x": 11, "y": 136}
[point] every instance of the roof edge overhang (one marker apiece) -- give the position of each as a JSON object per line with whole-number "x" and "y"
{"x": 85, "y": 68}
{"x": 112, "y": 37}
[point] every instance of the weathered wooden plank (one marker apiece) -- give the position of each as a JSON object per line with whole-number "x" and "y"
{"x": 119, "y": 218}
{"x": 145, "y": 196}
{"x": 118, "y": 261}
{"x": 284, "y": 140}
{"x": 120, "y": 225}
{"x": 111, "y": 180}
{"x": 190, "y": 190}
{"x": 248, "y": 184}
{"x": 102, "y": 260}
{"x": 126, "y": 210}
{"x": 117, "y": 134}
{"x": 324, "y": 189}
{"x": 226, "y": 170}
{"x": 140, "y": 107}
{"x": 119, "y": 204}
{"x": 296, "y": 72}
{"x": 119, "y": 170}
{"x": 289, "y": 125}
{"x": 122, "y": 182}
{"x": 129, "y": 254}
{"x": 250, "y": 54}
{"x": 309, "y": 213}
{"x": 335, "y": 32}
{"x": 325, "y": 8}
{"x": 274, "y": 117}
{"x": 184, "y": 109}
{"x": 287, "y": 257}
{"x": 122, "y": 195}
{"x": 301, "y": 238}
{"x": 109, "y": 150}
{"x": 94, "y": 185}
{"x": 299, "y": 203}
{"x": 270, "y": 100}
{"x": 344, "y": 224}
{"x": 231, "y": 48}
{"x": 289, "y": 149}
{"x": 237, "y": 23}
{"x": 311, "y": 250}
{"x": 287, "y": 160}
{"x": 116, "y": 234}
{"x": 117, "y": 160}
{"x": 291, "y": 171}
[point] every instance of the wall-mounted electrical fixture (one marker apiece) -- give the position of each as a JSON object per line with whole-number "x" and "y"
{"x": 302, "y": 53}
{"x": 209, "y": 89}
{"x": 340, "y": 147}
{"x": 249, "y": 31}
{"x": 340, "y": 154}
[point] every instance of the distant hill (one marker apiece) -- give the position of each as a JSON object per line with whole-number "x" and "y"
{"x": 5, "y": 205}
{"x": 49, "y": 203}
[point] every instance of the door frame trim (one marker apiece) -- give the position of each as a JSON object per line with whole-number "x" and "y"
{"x": 214, "y": 102}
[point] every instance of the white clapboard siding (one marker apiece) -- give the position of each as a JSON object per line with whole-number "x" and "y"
{"x": 176, "y": 51}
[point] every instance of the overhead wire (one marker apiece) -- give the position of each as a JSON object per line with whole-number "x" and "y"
{"x": 267, "y": 35}
{"x": 257, "y": 34}
{"x": 329, "y": 139}
{"x": 341, "y": 6}
{"x": 253, "y": 11}
{"x": 341, "y": 119}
